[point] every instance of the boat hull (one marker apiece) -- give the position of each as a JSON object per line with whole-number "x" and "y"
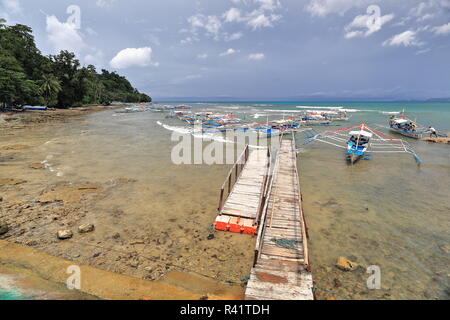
{"x": 413, "y": 135}
{"x": 353, "y": 158}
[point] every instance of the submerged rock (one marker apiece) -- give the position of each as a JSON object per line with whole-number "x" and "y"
{"x": 67, "y": 193}
{"x": 12, "y": 181}
{"x": 30, "y": 243}
{"x": 116, "y": 236}
{"x": 337, "y": 283}
{"x": 64, "y": 234}
{"x": 37, "y": 166}
{"x": 346, "y": 265}
{"x": 85, "y": 228}
{"x": 3, "y": 228}
{"x": 137, "y": 242}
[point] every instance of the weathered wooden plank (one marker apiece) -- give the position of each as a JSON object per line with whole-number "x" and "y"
{"x": 280, "y": 272}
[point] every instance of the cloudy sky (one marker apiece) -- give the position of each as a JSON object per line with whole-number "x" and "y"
{"x": 254, "y": 49}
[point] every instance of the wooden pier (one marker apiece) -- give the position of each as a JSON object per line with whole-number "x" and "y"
{"x": 281, "y": 267}
{"x": 242, "y": 194}
{"x": 264, "y": 198}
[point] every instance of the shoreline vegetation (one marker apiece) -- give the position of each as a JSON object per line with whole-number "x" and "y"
{"x": 27, "y": 77}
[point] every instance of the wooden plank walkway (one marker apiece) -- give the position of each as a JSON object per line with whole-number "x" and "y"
{"x": 281, "y": 269}
{"x": 245, "y": 197}
{"x": 240, "y": 210}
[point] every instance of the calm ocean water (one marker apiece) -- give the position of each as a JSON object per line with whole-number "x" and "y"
{"x": 386, "y": 211}
{"x": 436, "y": 113}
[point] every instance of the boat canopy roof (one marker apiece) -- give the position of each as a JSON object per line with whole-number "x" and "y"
{"x": 401, "y": 120}
{"x": 362, "y": 133}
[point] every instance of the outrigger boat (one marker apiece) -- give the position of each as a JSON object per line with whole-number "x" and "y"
{"x": 357, "y": 145}
{"x": 315, "y": 120}
{"x": 406, "y": 127}
{"x": 360, "y": 142}
{"x": 328, "y": 115}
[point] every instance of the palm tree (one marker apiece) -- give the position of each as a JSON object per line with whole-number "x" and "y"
{"x": 98, "y": 91}
{"x": 50, "y": 86}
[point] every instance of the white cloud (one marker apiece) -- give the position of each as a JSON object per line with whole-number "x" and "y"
{"x": 366, "y": 22}
{"x": 133, "y": 57}
{"x": 256, "y": 56}
{"x": 202, "y": 56}
{"x": 232, "y": 15}
{"x": 269, "y": 5}
{"x": 420, "y": 9}
{"x": 255, "y": 14}
{"x": 105, "y": 3}
{"x": 322, "y": 8}
{"x": 233, "y": 36}
{"x": 423, "y": 51}
{"x": 442, "y": 30}
{"x": 354, "y": 34}
{"x": 64, "y": 36}
{"x": 407, "y": 39}
{"x": 426, "y": 17}
{"x": 263, "y": 16}
{"x": 259, "y": 20}
{"x": 211, "y": 24}
{"x": 228, "y": 52}
{"x": 189, "y": 40}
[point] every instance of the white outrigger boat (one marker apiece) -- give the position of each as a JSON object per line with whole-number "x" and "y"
{"x": 328, "y": 115}
{"x": 357, "y": 145}
{"x": 406, "y": 127}
{"x": 362, "y": 141}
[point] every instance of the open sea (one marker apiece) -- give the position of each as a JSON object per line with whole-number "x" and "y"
{"x": 386, "y": 211}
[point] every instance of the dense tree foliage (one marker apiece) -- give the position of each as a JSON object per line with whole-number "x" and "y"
{"x": 28, "y": 77}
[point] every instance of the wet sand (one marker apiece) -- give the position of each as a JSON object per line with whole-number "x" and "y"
{"x": 26, "y": 273}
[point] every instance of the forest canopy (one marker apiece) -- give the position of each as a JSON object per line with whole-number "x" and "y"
{"x": 28, "y": 77}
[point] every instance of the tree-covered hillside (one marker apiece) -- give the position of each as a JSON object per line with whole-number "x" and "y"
{"x": 28, "y": 77}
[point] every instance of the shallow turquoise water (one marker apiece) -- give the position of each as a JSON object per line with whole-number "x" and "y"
{"x": 12, "y": 295}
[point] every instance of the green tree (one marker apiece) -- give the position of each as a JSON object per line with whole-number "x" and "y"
{"x": 28, "y": 77}
{"x": 50, "y": 86}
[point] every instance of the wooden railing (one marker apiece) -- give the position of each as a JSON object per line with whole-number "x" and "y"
{"x": 263, "y": 194}
{"x": 265, "y": 208}
{"x": 263, "y": 212}
{"x": 235, "y": 171}
{"x": 302, "y": 216}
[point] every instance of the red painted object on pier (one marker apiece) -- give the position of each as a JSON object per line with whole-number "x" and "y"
{"x": 236, "y": 224}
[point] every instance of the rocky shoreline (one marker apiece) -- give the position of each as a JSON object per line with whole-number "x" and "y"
{"x": 437, "y": 140}
{"x": 10, "y": 120}
{"x": 63, "y": 217}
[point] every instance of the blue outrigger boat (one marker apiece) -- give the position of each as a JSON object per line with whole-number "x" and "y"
{"x": 34, "y": 107}
{"x": 357, "y": 145}
{"x": 361, "y": 141}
